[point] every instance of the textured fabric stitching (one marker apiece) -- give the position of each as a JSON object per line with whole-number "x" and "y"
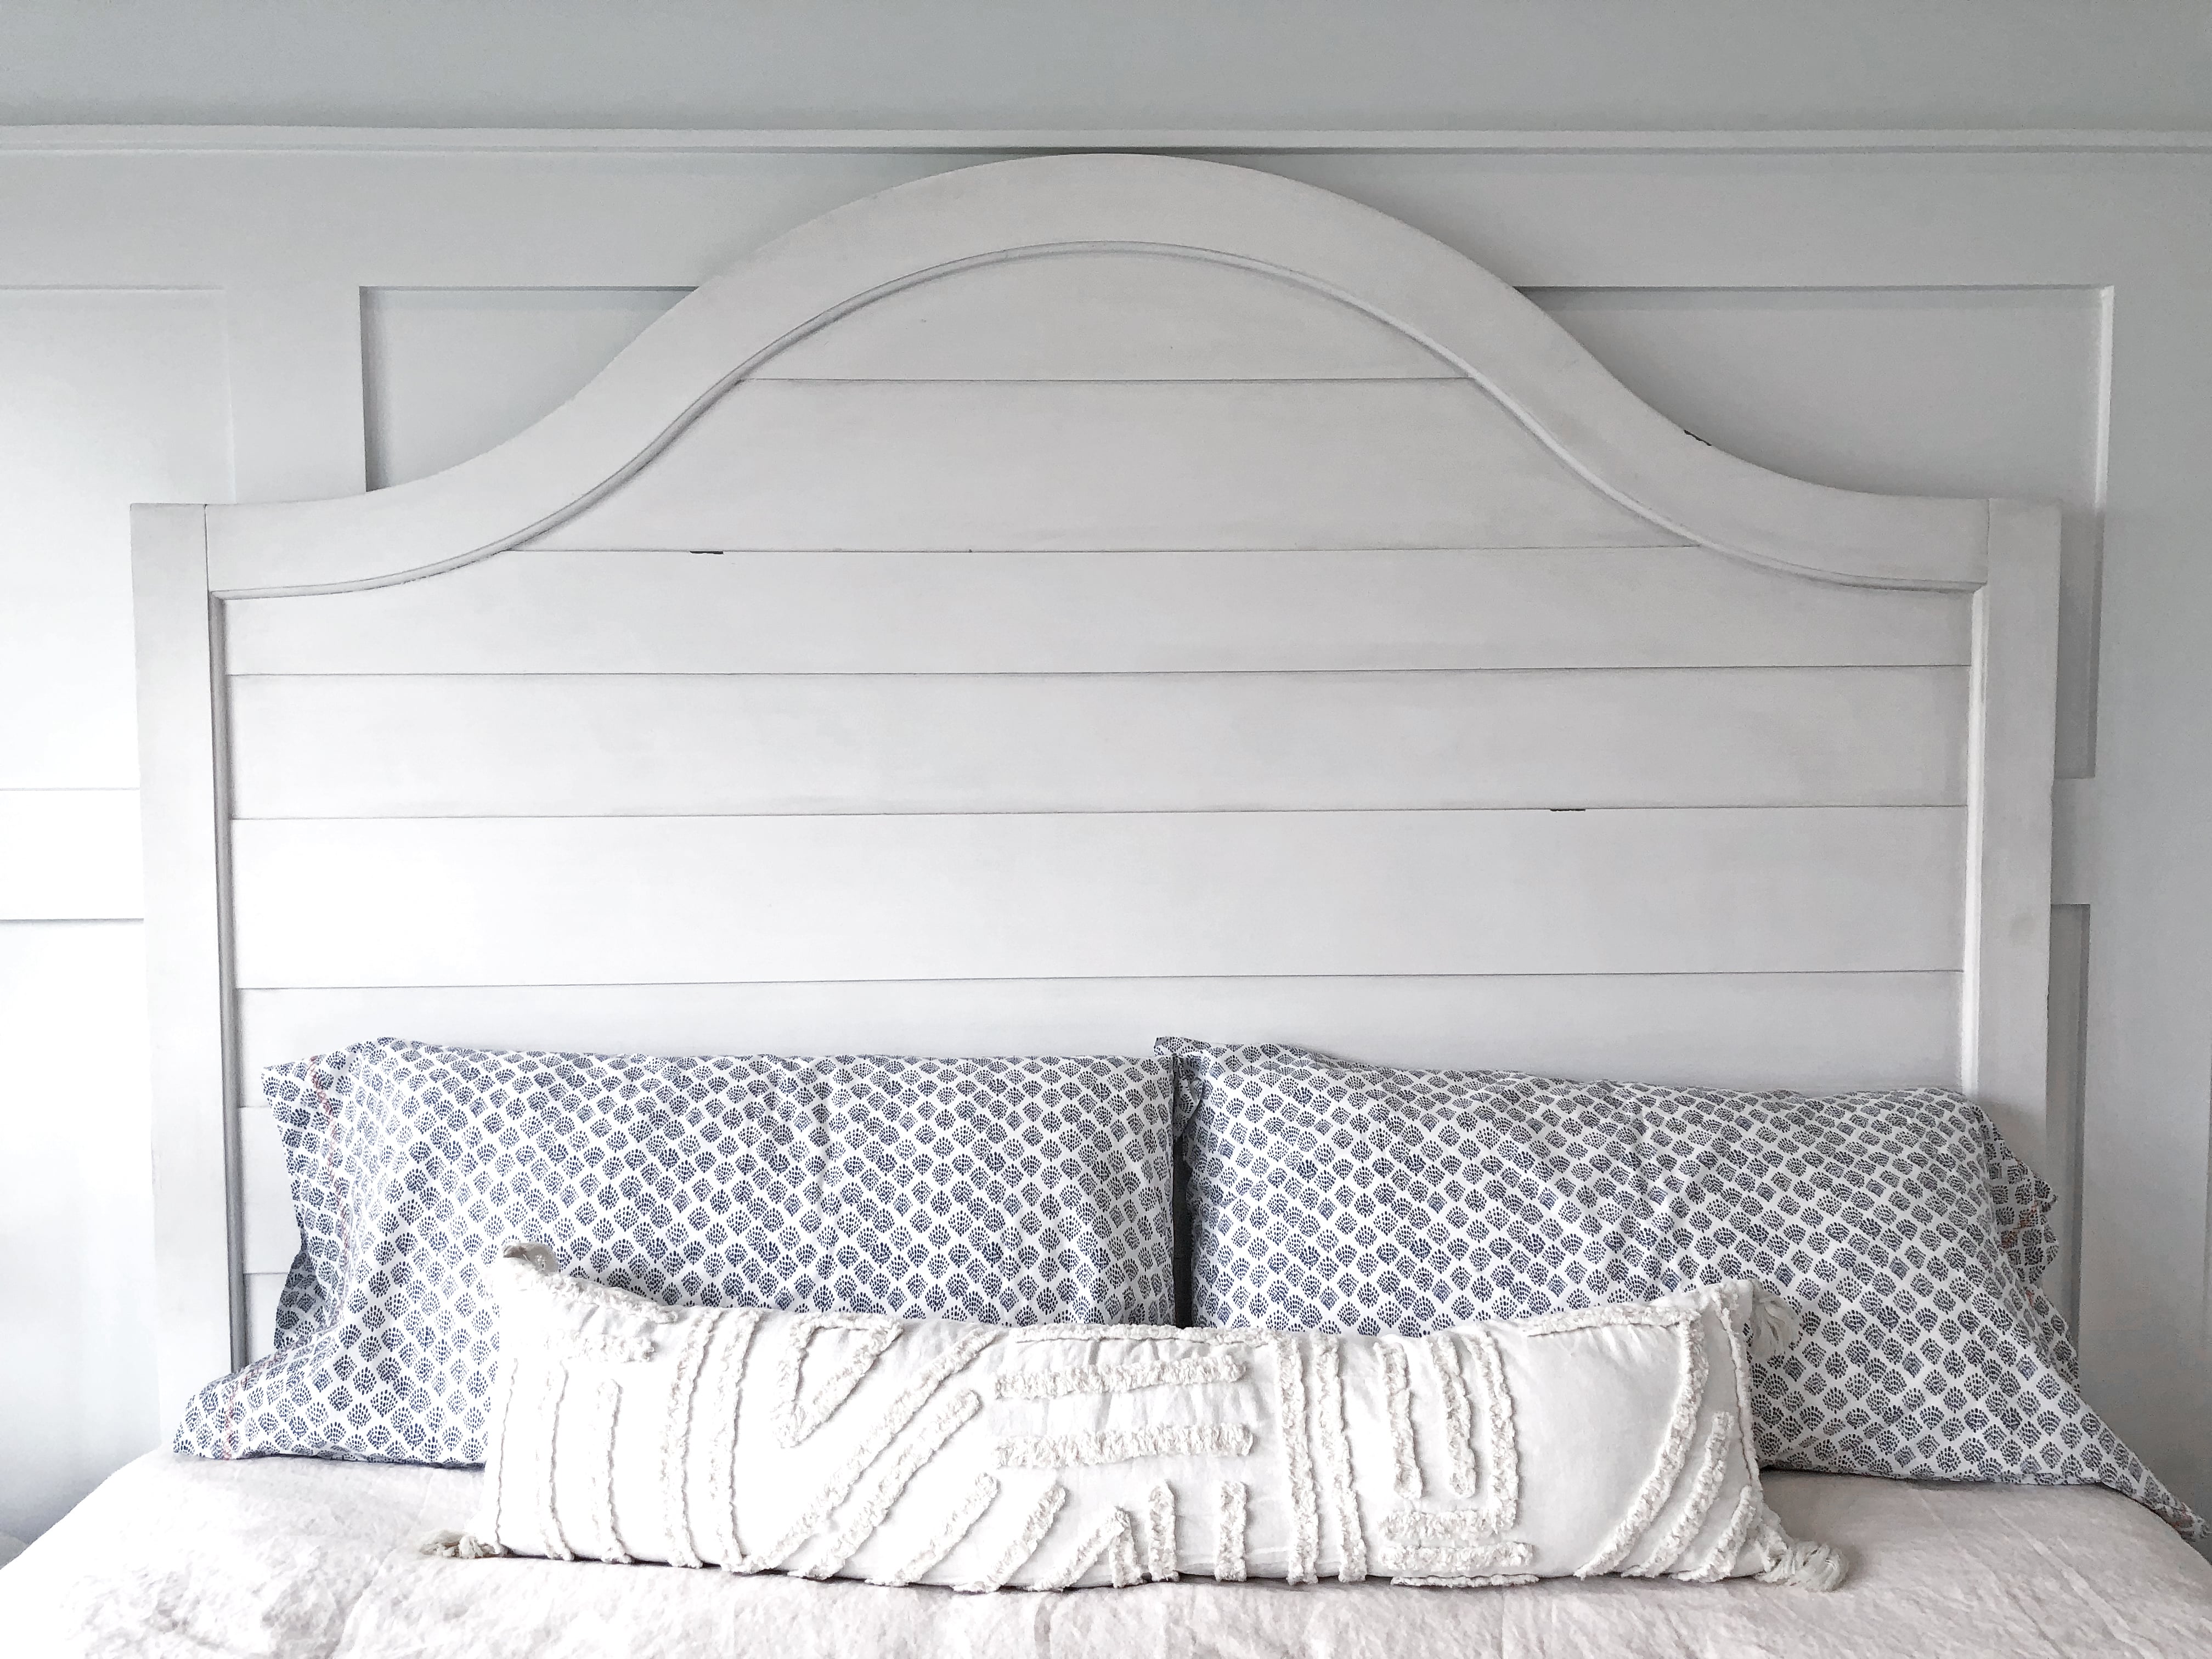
{"x": 1704, "y": 1487}
{"x": 1298, "y": 1461}
{"x": 1673, "y": 1451}
{"x": 1163, "y": 1563}
{"x": 957, "y": 1525}
{"x": 1117, "y": 1379}
{"x": 1057, "y": 1451}
{"x": 1016, "y": 1555}
{"x": 1398, "y": 1399}
{"x": 941, "y": 1426}
{"x": 1229, "y": 1512}
{"x": 1336, "y": 1454}
{"x": 676, "y": 1439}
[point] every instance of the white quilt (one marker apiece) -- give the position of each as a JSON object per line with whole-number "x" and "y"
{"x": 291, "y": 1557}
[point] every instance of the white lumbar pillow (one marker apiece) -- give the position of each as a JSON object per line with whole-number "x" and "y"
{"x": 1611, "y": 1440}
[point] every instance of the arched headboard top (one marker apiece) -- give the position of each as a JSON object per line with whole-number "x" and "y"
{"x": 1433, "y": 298}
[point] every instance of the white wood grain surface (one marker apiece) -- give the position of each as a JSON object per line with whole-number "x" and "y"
{"x": 1083, "y": 613}
{"x": 530, "y": 745}
{"x": 1030, "y": 464}
{"x": 548, "y": 900}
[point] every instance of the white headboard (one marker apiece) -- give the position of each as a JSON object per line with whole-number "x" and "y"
{"x": 1069, "y": 600}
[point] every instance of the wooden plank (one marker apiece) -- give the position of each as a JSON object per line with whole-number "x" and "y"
{"x": 961, "y": 612}
{"x": 1088, "y": 463}
{"x": 188, "y": 992}
{"x": 1097, "y": 315}
{"x": 525, "y": 745}
{"x": 1821, "y": 1033}
{"x": 551, "y": 901}
{"x": 2063, "y": 1138}
{"x": 2005, "y": 1049}
{"x": 72, "y": 856}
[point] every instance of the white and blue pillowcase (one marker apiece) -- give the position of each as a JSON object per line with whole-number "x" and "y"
{"x": 1016, "y": 1191}
{"x": 1323, "y": 1195}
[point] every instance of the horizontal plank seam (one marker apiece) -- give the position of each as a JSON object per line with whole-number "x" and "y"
{"x": 536, "y": 544}
{"x": 531, "y": 541}
{"x": 759, "y": 815}
{"x": 69, "y": 921}
{"x": 1106, "y": 380}
{"x": 1106, "y": 979}
{"x": 1096, "y": 813}
{"x": 316, "y": 675}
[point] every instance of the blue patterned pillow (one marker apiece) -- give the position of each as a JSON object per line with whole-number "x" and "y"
{"x": 1325, "y": 1195}
{"x": 1017, "y": 1191}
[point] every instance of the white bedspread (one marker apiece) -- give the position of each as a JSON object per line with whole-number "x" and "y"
{"x": 289, "y": 1557}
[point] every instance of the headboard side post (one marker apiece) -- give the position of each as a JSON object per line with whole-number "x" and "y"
{"x": 180, "y": 740}
{"x": 2004, "y": 1046}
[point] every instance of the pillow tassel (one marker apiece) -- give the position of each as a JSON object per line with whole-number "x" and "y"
{"x": 1806, "y": 1566}
{"x": 458, "y": 1546}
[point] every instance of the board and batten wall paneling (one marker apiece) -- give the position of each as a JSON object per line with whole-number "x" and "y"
{"x": 448, "y": 373}
{"x": 546, "y": 901}
{"x": 112, "y": 396}
{"x": 71, "y": 855}
{"x": 77, "y": 1392}
{"x": 108, "y": 393}
{"x": 1829, "y": 384}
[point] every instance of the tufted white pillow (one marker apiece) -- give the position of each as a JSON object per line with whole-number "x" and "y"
{"x": 1612, "y": 1439}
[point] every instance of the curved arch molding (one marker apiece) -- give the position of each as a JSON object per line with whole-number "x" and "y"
{"x": 937, "y": 227}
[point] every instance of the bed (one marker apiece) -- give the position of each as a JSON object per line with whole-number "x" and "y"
{"x": 1034, "y": 609}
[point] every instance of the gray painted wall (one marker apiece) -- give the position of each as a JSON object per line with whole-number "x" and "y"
{"x": 1206, "y": 63}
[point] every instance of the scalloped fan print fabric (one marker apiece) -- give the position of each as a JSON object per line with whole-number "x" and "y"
{"x": 1325, "y": 1195}
{"x": 1019, "y": 1191}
